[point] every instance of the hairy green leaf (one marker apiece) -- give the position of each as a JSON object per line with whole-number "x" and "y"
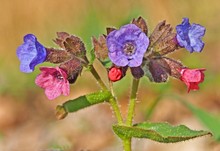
{"x": 160, "y": 132}
{"x": 86, "y": 101}
{"x": 81, "y": 102}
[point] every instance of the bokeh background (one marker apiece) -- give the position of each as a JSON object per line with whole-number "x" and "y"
{"x": 27, "y": 120}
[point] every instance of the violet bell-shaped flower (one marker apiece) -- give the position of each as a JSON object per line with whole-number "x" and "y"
{"x": 190, "y": 36}
{"x": 30, "y": 53}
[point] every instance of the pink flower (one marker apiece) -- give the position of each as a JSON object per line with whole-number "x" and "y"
{"x": 54, "y": 81}
{"x": 192, "y": 77}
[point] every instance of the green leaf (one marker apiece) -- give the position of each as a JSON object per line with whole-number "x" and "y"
{"x": 160, "y": 132}
{"x": 86, "y": 101}
{"x": 82, "y": 102}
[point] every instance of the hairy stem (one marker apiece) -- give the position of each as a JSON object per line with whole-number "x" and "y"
{"x": 112, "y": 100}
{"x": 97, "y": 77}
{"x": 133, "y": 97}
{"x": 131, "y": 109}
{"x": 127, "y": 144}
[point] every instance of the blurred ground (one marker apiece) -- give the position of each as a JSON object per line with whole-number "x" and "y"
{"x": 27, "y": 121}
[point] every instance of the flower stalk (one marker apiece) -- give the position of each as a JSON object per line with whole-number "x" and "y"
{"x": 112, "y": 100}
{"x": 133, "y": 98}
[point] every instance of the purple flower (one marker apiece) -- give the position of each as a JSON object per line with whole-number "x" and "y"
{"x": 30, "y": 53}
{"x": 54, "y": 81}
{"x": 190, "y": 36}
{"x": 127, "y": 46}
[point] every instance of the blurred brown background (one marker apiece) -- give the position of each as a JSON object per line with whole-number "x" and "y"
{"x": 27, "y": 121}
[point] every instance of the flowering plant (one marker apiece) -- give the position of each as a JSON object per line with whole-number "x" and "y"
{"x": 130, "y": 47}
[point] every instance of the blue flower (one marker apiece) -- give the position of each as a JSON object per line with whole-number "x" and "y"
{"x": 30, "y": 53}
{"x": 190, "y": 36}
{"x": 127, "y": 46}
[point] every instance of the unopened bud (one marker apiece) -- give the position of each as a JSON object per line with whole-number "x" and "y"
{"x": 115, "y": 74}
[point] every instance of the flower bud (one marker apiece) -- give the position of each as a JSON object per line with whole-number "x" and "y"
{"x": 115, "y": 74}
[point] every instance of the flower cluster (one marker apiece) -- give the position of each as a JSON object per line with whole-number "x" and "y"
{"x": 55, "y": 80}
{"x": 129, "y": 47}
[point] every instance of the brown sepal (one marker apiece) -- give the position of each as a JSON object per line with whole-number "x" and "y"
{"x": 61, "y": 36}
{"x": 137, "y": 72}
{"x": 73, "y": 68}
{"x": 100, "y": 47}
{"x": 57, "y": 56}
{"x": 163, "y": 40}
{"x": 70, "y": 43}
{"x": 159, "y": 70}
{"x": 110, "y": 29}
{"x": 166, "y": 45}
{"x": 140, "y": 22}
{"x": 175, "y": 67}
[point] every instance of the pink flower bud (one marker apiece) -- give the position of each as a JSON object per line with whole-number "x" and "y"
{"x": 115, "y": 74}
{"x": 192, "y": 77}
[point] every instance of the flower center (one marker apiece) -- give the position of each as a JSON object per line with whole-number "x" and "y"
{"x": 58, "y": 76}
{"x": 129, "y": 48}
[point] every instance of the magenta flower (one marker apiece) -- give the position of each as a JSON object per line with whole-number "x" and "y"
{"x": 192, "y": 77}
{"x": 190, "y": 36}
{"x": 54, "y": 81}
{"x": 127, "y": 46}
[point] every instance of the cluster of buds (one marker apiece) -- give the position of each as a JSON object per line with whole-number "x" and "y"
{"x": 130, "y": 47}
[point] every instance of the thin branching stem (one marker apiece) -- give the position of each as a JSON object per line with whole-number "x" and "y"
{"x": 112, "y": 100}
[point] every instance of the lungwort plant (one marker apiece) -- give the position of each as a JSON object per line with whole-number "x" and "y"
{"x": 129, "y": 48}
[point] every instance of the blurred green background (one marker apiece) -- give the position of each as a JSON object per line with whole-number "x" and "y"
{"x": 27, "y": 120}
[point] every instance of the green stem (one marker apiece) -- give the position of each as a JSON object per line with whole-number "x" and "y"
{"x": 116, "y": 110}
{"x": 127, "y": 144}
{"x": 114, "y": 104}
{"x": 131, "y": 106}
{"x": 112, "y": 100}
{"x": 97, "y": 77}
